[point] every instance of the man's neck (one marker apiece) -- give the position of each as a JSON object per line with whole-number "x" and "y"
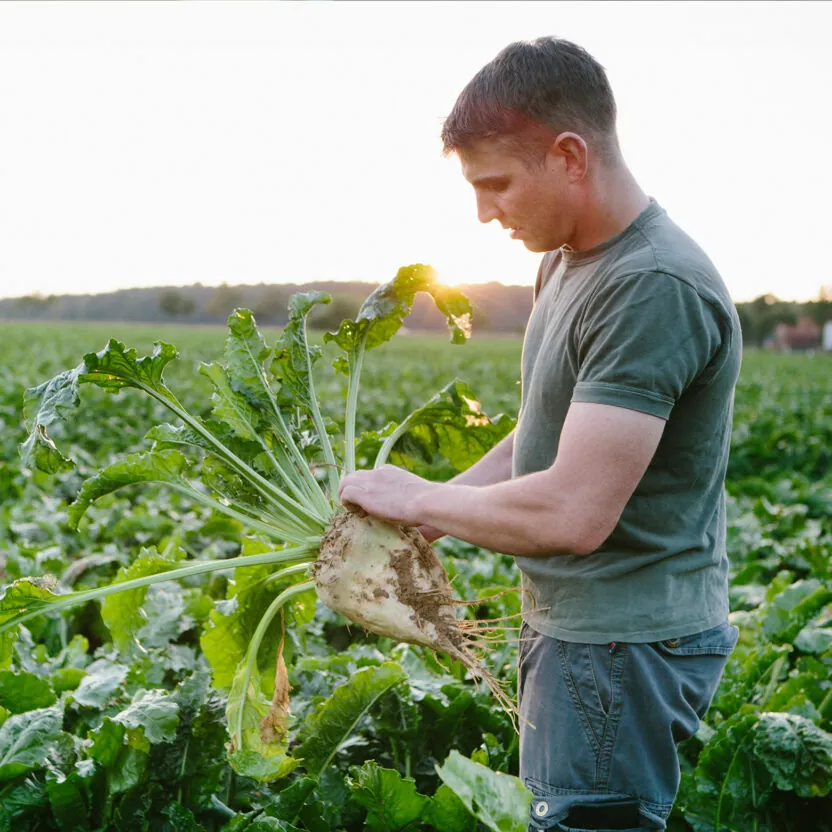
{"x": 614, "y": 200}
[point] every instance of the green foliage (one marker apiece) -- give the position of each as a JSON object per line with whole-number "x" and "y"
{"x": 451, "y": 426}
{"x": 26, "y": 741}
{"x": 332, "y": 722}
{"x": 391, "y": 802}
{"x": 383, "y": 312}
{"x": 501, "y": 802}
{"x": 760, "y": 759}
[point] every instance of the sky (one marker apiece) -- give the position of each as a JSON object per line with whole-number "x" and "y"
{"x": 150, "y": 144}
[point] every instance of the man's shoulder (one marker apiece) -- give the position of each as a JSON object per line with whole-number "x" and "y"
{"x": 668, "y": 251}
{"x": 674, "y": 252}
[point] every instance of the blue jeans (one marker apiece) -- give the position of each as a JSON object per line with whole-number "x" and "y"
{"x": 606, "y": 719}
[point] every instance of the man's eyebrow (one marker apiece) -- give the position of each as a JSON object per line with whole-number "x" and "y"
{"x": 489, "y": 180}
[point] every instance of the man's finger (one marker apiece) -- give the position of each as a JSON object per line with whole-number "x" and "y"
{"x": 350, "y": 495}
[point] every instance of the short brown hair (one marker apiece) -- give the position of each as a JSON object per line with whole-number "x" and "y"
{"x": 529, "y": 93}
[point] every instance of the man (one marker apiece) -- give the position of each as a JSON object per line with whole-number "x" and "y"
{"x": 610, "y": 492}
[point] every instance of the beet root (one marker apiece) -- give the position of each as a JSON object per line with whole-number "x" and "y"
{"x": 388, "y": 579}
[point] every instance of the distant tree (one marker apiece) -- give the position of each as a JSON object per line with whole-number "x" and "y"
{"x": 35, "y": 304}
{"x": 224, "y": 300}
{"x": 272, "y": 305}
{"x": 176, "y": 304}
{"x": 759, "y": 318}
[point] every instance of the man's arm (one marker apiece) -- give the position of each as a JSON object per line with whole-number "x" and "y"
{"x": 570, "y": 508}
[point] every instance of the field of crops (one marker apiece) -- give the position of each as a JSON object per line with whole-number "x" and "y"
{"x": 110, "y": 715}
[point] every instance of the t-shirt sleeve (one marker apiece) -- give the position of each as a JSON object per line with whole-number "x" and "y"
{"x": 643, "y": 340}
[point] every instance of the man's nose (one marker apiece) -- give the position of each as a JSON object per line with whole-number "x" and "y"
{"x": 486, "y": 209}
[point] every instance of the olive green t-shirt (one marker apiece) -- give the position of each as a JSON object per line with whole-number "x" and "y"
{"x": 643, "y": 321}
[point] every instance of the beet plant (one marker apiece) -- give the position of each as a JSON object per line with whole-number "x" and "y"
{"x": 267, "y": 458}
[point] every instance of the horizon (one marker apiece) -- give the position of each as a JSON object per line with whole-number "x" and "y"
{"x": 817, "y": 298}
{"x": 164, "y": 145}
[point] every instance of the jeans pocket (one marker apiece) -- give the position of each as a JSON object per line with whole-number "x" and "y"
{"x": 698, "y": 662}
{"x": 592, "y": 673}
{"x": 716, "y": 641}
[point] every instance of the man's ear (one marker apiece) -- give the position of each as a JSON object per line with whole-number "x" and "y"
{"x": 570, "y": 150}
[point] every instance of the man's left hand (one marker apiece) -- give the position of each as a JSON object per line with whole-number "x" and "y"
{"x": 387, "y": 492}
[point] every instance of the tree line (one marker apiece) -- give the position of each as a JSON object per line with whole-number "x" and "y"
{"x": 497, "y": 308}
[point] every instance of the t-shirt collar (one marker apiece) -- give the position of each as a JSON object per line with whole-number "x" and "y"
{"x": 574, "y": 258}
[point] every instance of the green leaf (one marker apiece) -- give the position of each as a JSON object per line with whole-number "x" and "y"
{"x": 40, "y": 451}
{"x": 181, "y": 819}
{"x": 391, "y": 802}
{"x": 797, "y": 753}
{"x": 106, "y": 742}
{"x": 383, "y": 312}
{"x": 266, "y": 823}
{"x": 329, "y": 725}
{"x": 166, "y": 466}
{"x": 20, "y": 598}
{"x": 293, "y": 355}
{"x": 225, "y": 481}
{"x": 806, "y": 683}
{"x": 155, "y": 711}
{"x": 252, "y": 763}
{"x": 447, "y": 813}
{"x": 721, "y": 794}
{"x": 19, "y": 799}
{"x": 814, "y": 639}
{"x": 116, "y": 367}
{"x": 50, "y": 403}
{"x": 26, "y": 740}
{"x": 245, "y": 354}
{"x": 20, "y": 692}
{"x": 167, "y": 434}
{"x": 743, "y": 676}
{"x": 128, "y": 770}
{"x": 289, "y": 802}
{"x": 103, "y": 680}
{"x": 235, "y": 620}
{"x": 69, "y": 799}
{"x": 229, "y": 406}
{"x": 793, "y": 608}
{"x": 293, "y": 368}
{"x": 122, "y": 611}
{"x": 451, "y": 424}
{"x": 54, "y": 401}
{"x": 263, "y": 754}
{"x": 500, "y": 801}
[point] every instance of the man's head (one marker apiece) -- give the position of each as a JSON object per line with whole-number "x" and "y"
{"x": 529, "y": 127}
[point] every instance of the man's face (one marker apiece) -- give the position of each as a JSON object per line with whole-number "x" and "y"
{"x": 531, "y": 200}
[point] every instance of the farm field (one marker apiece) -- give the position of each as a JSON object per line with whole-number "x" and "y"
{"x": 109, "y": 714}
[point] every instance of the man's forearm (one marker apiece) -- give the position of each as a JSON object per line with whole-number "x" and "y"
{"x": 517, "y": 517}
